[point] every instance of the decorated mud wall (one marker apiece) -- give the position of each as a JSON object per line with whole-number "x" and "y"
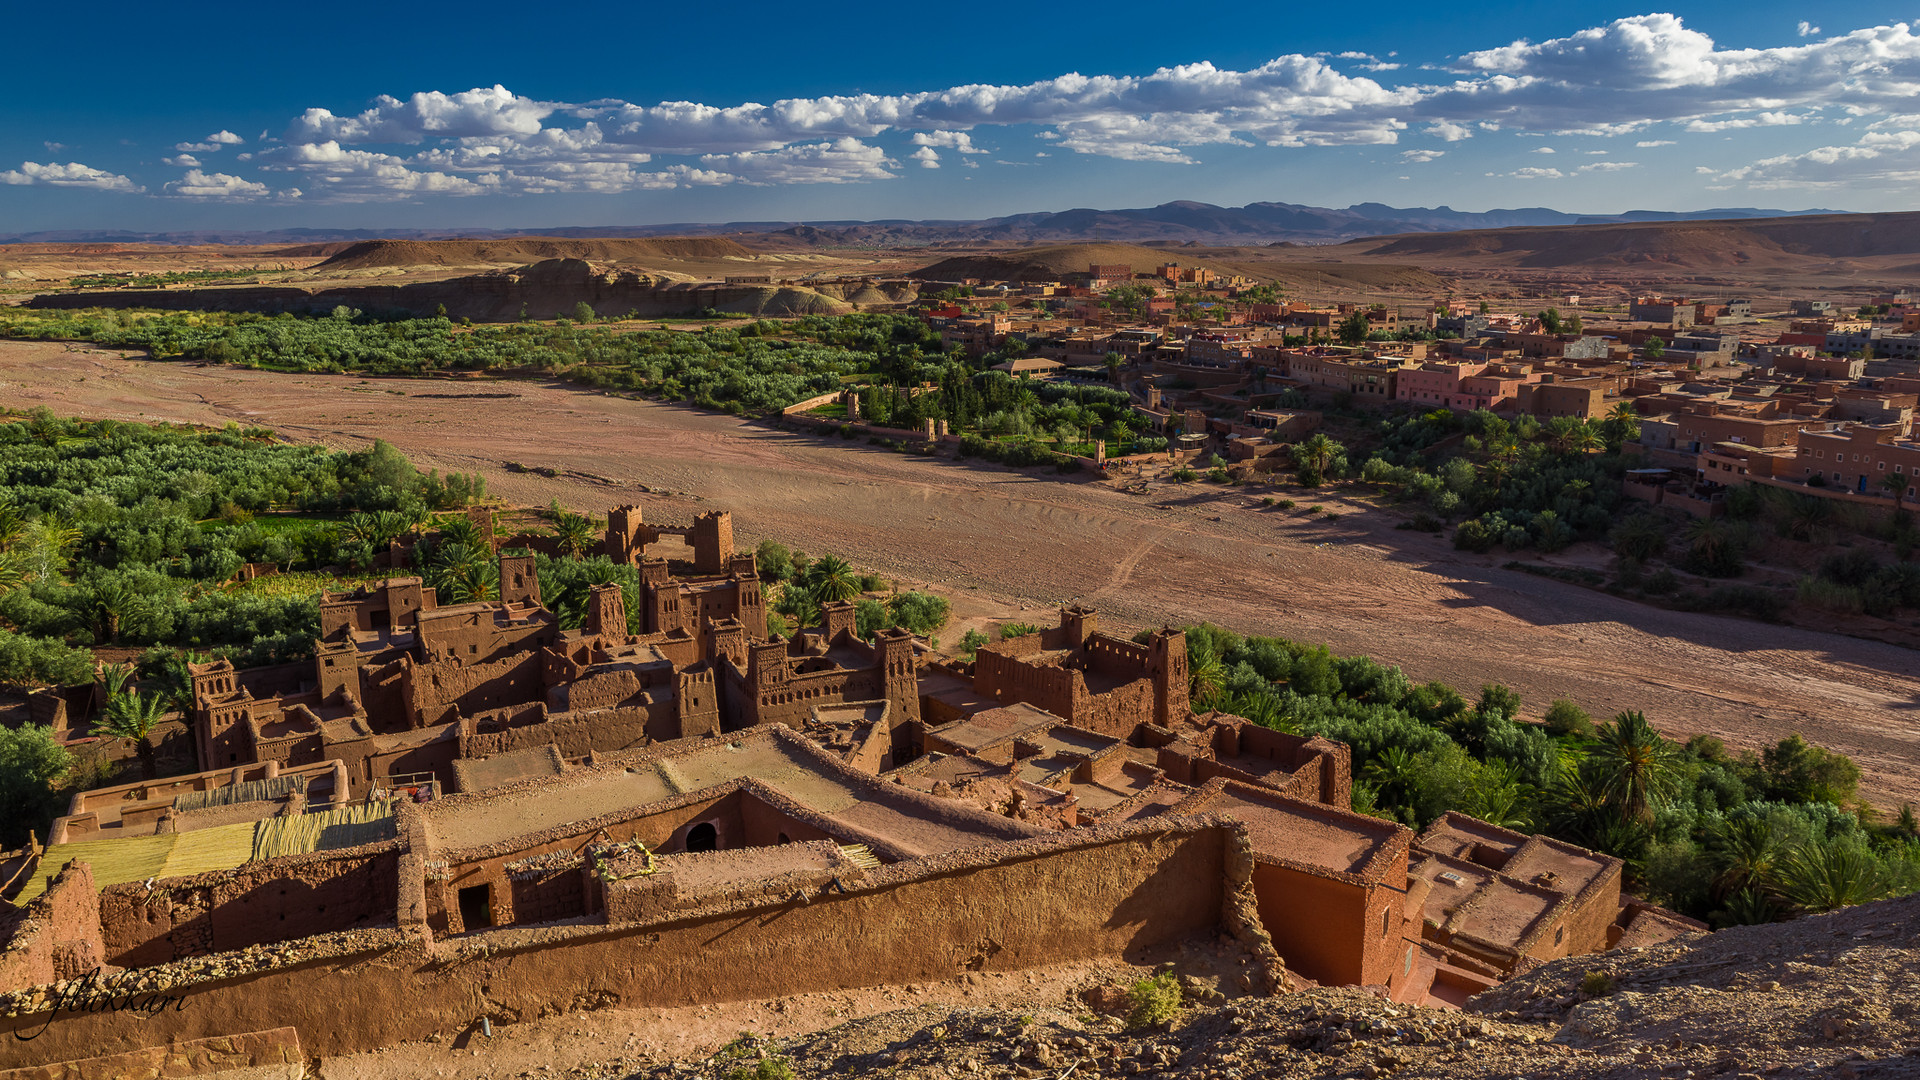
{"x": 1098, "y": 892}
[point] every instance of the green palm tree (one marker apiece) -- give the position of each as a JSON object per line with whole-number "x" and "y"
{"x": 1498, "y": 795}
{"x": 110, "y": 601}
{"x": 1708, "y": 537}
{"x": 1560, "y": 433}
{"x": 1637, "y": 766}
{"x": 832, "y": 580}
{"x": 1746, "y": 856}
{"x": 1896, "y": 485}
{"x": 464, "y": 575}
{"x": 1205, "y": 672}
{"x": 1822, "y": 877}
{"x": 462, "y": 530}
{"x": 575, "y": 534}
{"x": 176, "y": 681}
{"x": 1749, "y": 907}
{"x": 1318, "y": 451}
{"x": 133, "y": 716}
{"x": 1392, "y": 775}
{"x": 376, "y": 528}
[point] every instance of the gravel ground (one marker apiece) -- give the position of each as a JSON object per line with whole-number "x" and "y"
{"x": 1831, "y": 996}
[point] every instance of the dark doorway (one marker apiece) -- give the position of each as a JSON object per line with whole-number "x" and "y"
{"x": 476, "y": 907}
{"x": 703, "y": 837}
{"x": 381, "y": 619}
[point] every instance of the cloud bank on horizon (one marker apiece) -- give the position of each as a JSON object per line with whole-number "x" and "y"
{"x": 1642, "y": 75}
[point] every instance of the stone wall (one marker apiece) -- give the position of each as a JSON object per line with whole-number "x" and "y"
{"x": 1091, "y": 894}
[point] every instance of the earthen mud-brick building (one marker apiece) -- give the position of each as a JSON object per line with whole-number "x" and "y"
{"x": 483, "y": 815}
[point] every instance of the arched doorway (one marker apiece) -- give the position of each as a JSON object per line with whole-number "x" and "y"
{"x": 703, "y": 837}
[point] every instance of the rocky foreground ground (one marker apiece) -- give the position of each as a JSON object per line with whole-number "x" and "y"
{"x": 1827, "y": 996}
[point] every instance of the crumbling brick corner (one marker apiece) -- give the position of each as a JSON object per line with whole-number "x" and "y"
{"x": 1240, "y": 916}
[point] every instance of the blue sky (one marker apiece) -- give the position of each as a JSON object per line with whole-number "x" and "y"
{"x": 392, "y": 115}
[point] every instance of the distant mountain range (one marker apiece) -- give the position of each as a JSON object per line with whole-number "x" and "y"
{"x": 1169, "y": 224}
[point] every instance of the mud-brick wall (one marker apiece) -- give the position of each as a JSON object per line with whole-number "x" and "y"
{"x": 1088, "y": 895}
{"x": 255, "y": 904}
{"x": 1006, "y": 680}
{"x": 550, "y": 896}
{"x": 1118, "y": 711}
{"x": 436, "y": 691}
{"x": 57, "y": 936}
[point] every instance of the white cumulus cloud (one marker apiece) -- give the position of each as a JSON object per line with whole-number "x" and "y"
{"x": 71, "y": 175}
{"x": 204, "y": 185}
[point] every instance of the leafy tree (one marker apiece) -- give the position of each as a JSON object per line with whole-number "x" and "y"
{"x": 971, "y": 641}
{"x": 774, "y": 560}
{"x": 1353, "y": 329}
{"x": 1655, "y": 348}
{"x": 1797, "y": 771}
{"x": 921, "y": 612}
{"x": 31, "y": 760}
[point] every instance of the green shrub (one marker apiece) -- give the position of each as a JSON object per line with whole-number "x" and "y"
{"x": 1017, "y": 629}
{"x": 1596, "y": 984}
{"x": 1155, "y": 1002}
{"x": 1565, "y": 718}
{"x": 921, "y": 612}
{"x": 773, "y": 1067}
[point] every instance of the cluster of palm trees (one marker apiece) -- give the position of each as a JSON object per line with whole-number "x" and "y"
{"x": 828, "y": 579}
{"x": 132, "y": 714}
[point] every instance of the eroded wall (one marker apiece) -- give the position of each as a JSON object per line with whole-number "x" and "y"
{"x": 1099, "y": 892}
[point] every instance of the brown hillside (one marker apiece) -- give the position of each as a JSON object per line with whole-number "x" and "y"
{"x": 1756, "y": 243}
{"x": 523, "y": 250}
{"x": 314, "y": 251}
{"x": 1051, "y": 263}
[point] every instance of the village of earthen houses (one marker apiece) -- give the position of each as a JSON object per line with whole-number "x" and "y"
{"x": 470, "y": 816}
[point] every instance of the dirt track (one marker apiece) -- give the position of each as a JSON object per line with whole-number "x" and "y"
{"x": 1020, "y": 540}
